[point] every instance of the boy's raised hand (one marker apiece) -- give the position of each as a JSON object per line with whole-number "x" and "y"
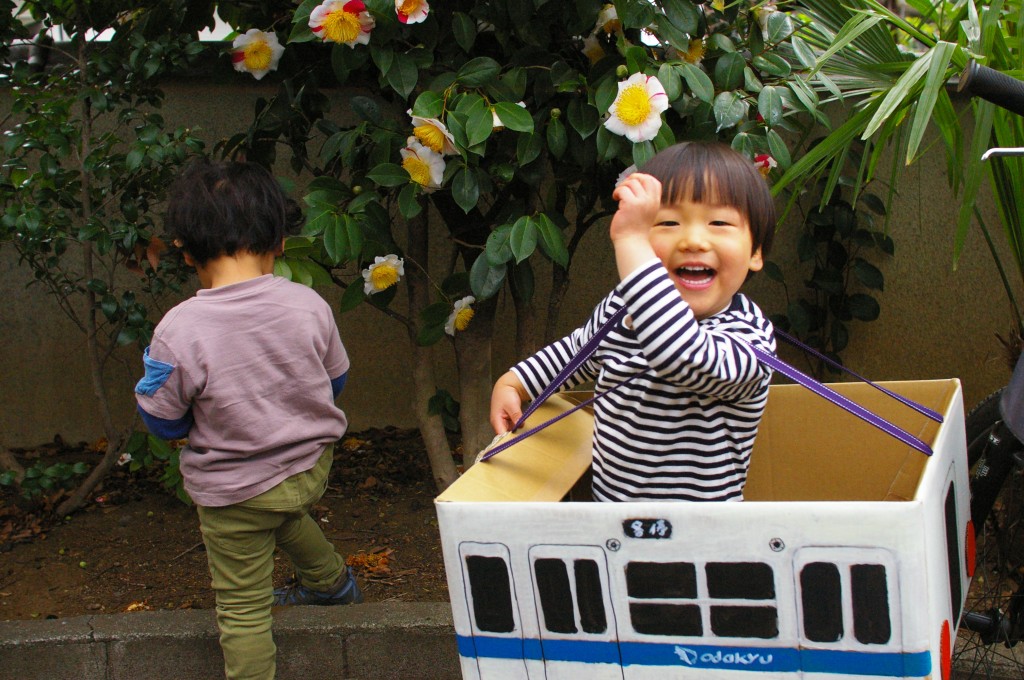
{"x": 639, "y": 198}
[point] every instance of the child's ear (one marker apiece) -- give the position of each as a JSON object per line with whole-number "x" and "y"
{"x": 756, "y": 260}
{"x": 280, "y": 249}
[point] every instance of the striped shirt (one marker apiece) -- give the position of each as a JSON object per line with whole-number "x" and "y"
{"x": 682, "y": 429}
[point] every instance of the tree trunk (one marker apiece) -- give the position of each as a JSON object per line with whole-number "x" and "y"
{"x": 9, "y": 463}
{"x": 431, "y": 427}
{"x": 473, "y": 356}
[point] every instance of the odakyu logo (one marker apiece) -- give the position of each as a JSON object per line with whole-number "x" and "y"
{"x": 692, "y": 657}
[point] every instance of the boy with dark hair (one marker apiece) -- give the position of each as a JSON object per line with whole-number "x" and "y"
{"x": 248, "y": 370}
{"x": 688, "y": 389}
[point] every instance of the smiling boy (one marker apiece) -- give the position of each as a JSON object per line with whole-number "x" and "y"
{"x": 688, "y": 232}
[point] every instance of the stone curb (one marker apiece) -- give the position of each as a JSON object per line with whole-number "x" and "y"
{"x": 374, "y": 641}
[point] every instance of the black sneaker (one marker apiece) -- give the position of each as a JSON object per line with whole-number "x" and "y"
{"x": 345, "y": 591}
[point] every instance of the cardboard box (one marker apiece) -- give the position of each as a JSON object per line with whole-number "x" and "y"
{"x": 847, "y": 558}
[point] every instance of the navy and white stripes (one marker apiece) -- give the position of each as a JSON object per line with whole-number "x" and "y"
{"x": 683, "y": 430}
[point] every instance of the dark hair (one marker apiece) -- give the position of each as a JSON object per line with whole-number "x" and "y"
{"x": 221, "y": 208}
{"x": 715, "y": 173}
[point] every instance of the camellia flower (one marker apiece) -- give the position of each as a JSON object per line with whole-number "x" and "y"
{"x": 342, "y": 21}
{"x": 636, "y": 111}
{"x": 433, "y": 134}
{"x": 765, "y": 164}
{"x": 256, "y": 52}
{"x": 608, "y": 20}
{"x": 462, "y": 314}
{"x": 694, "y": 51}
{"x": 124, "y": 459}
{"x": 411, "y": 11}
{"x": 383, "y": 273}
{"x": 424, "y": 165}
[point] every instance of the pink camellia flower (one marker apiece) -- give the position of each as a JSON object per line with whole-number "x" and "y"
{"x": 765, "y": 164}
{"x": 411, "y": 11}
{"x": 343, "y": 22}
{"x": 256, "y": 52}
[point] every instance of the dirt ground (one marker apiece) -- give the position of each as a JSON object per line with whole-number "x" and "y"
{"x": 136, "y": 547}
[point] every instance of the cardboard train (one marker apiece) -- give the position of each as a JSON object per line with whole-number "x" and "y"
{"x": 850, "y": 557}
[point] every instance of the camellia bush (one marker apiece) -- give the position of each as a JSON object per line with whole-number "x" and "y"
{"x": 498, "y": 129}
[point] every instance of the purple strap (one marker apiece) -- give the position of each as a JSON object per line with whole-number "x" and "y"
{"x": 923, "y": 410}
{"x": 588, "y": 348}
{"x": 839, "y": 400}
{"x": 764, "y": 357}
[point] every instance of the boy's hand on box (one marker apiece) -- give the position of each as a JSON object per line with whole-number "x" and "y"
{"x": 506, "y": 403}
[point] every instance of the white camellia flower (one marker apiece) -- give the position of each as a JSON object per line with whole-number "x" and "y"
{"x": 411, "y": 11}
{"x": 433, "y": 134}
{"x": 256, "y": 52}
{"x": 462, "y": 314}
{"x": 383, "y": 273}
{"x": 636, "y": 111}
{"x": 424, "y": 165}
{"x": 343, "y": 22}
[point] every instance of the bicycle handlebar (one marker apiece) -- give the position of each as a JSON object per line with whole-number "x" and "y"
{"x": 994, "y": 86}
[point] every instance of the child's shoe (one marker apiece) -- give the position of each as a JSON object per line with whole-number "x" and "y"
{"x": 344, "y": 591}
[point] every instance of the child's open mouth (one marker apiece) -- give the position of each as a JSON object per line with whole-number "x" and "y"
{"x": 695, "y": 276}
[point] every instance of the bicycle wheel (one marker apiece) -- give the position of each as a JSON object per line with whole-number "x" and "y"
{"x": 993, "y": 617}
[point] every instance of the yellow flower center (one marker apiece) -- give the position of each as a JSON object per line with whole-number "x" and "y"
{"x": 257, "y": 55}
{"x": 410, "y": 7}
{"x": 634, "y": 105}
{"x": 383, "y": 276}
{"x": 463, "y": 318}
{"x": 694, "y": 51}
{"x": 418, "y": 169}
{"x": 341, "y": 26}
{"x": 430, "y": 135}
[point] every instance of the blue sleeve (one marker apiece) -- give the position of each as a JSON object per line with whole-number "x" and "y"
{"x": 338, "y": 384}
{"x": 167, "y": 429}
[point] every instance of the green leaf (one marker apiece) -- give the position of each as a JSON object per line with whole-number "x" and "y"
{"x": 699, "y": 82}
{"x": 728, "y": 73}
{"x": 528, "y": 147}
{"x": 583, "y": 117}
{"x": 772, "y": 64}
{"x": 729, "y": 109}
{"x": 779, "y": 150}
{"x": 486, "y": 280}
{"x": 403, "y": 75}
{"x": 389, "y": 175}
{"x": 352, "y": 297}
{"x": 514, "y": 117}
{"x": 863, "y": 307}
{"x": 934, "y": 85}
{"x": 523, "y": 238}
{"x": 780, "y": 27}
{"x": 478, "y": 72}
{"x": 466, "y": 189}
{"x": 683, "y": 14}
{"x": 556, "y": 137}
{"x": 769, "y": 105}
{"x": 670, "y": 80}
{"x": 551, "y": 242}
{"x": 464, "y": 30}
{"x": 868, "y": 274}
{"x": 642, "y": 152}
{"x": 408, "y": 200}
{"x": 336, "y": 239}
{"x": 480, "y": 123}
{"x": 429, "y": 104}
{"x": 498, "y": 249}
{"x": 366, "y": 108}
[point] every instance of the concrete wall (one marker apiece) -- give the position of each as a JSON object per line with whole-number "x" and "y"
{"x": 935, "y": 322}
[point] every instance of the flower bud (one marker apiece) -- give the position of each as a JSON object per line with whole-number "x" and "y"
{"x": 556, "y": 114}
{"x": 622, "y": 71}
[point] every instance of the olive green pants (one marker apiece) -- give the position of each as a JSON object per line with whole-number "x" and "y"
{"x": 240, "y": 541}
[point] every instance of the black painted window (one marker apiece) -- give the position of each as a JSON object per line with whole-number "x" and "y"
{"x": 555, "y": 595}
{"x": 821, "y": 594}
{"x": 590, "y": 595}
{"x": 870, "y": 592}
{"x": 492, "y": 593}
{"x": 666, "y": 619}
{"x": 648, "y": 580}
{"x": 956, "y": 592}
{"x": 740, "y": 581}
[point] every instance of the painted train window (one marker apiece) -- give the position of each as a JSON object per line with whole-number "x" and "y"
{"x": 821, "y": 593}
{"x": 492, "y": 593}
{"x": 739, "y": 598}
{"x": 555, "y": 591}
